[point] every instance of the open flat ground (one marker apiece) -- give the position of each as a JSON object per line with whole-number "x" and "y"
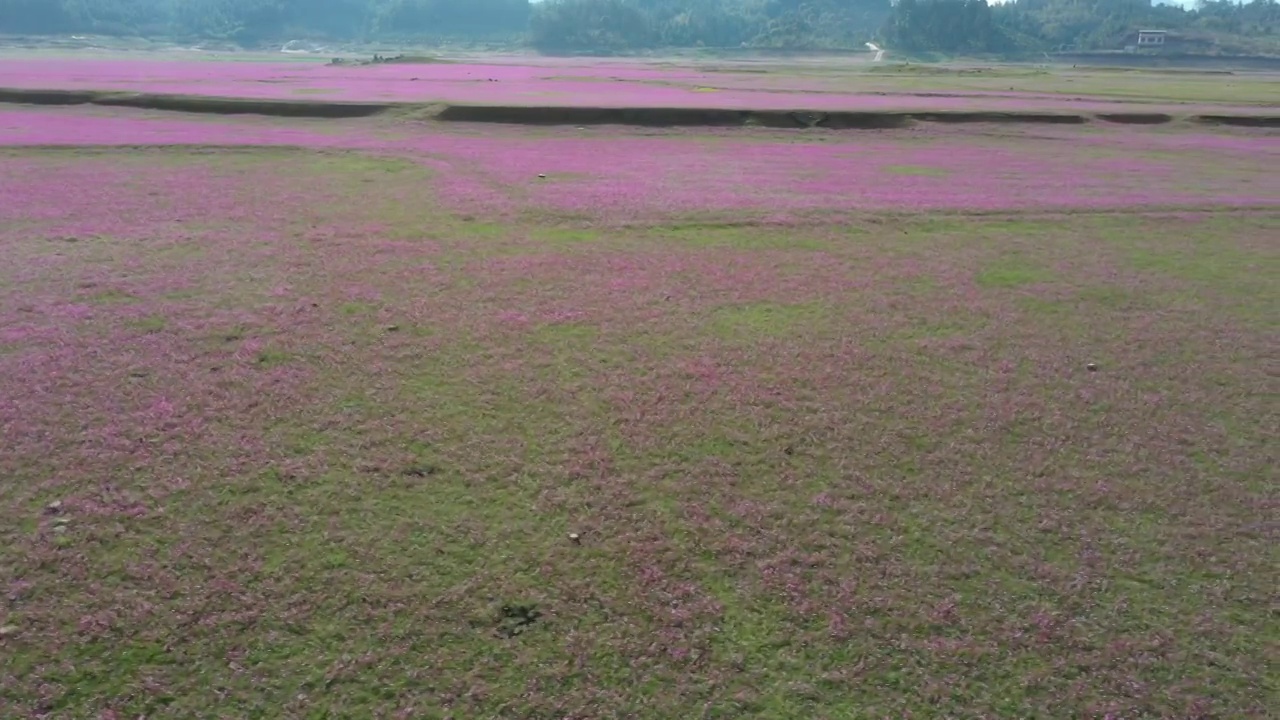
{"x": 827, "y": 84}
{"x": 944, "y": 421}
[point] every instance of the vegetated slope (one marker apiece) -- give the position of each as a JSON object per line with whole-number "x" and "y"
{"x": 334, "y": 434}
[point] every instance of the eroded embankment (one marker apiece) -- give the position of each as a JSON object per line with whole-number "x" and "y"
{"x": 193, "y": 103}
{"x": 572, "y": 115}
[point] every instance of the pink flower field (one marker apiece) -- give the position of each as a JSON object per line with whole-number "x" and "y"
{"x": 616, "y": 176}
{"x": 561, "y": 83}
{"x": 394, "y": 417}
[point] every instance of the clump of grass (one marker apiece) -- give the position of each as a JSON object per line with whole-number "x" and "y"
{"x": 149, "y": 325}
{"x": 1012, "y": 272}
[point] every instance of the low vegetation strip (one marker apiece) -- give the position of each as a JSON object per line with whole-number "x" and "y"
{"x": 585, "y": 115}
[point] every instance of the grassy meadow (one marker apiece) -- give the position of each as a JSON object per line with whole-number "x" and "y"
{"x": 312, "y": 430}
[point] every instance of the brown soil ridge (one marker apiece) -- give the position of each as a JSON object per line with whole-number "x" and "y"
{"x": 584, "y": 115}
{"x": 194, "y": 103}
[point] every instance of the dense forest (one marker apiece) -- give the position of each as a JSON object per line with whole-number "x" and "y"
{"x": 563, "y": 26}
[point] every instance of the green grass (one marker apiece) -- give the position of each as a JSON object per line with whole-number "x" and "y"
{"x": 357, "y": 308}
{"x": 915, "y": 170}
{"x": 110, "y": 296}
{"x": 563, "y": 235}
{"x": 1129, "y": 84}
{"x": 818, "y": 470}
{"x": 1011, "y": 272}
{"x": 149, "y": 325}
{"x": 743, "y": 236}
{"x": 272, "y": 358}
{"x": 757, "y": 321}
{"x": 1209, "y": 265}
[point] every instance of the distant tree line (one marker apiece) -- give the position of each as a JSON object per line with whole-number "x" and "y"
{"x": 1105, "y": 24}
{"x": 252, "y": 22}
{"x": 563, "y": 26}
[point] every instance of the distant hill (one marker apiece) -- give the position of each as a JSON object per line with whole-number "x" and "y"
{"x": 944, "y": 27}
